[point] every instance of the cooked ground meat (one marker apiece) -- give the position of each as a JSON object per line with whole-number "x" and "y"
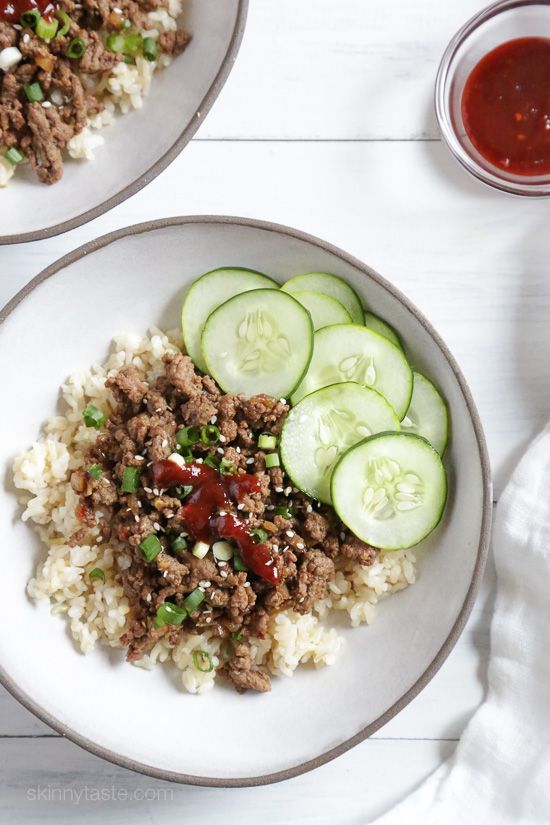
{"x": 300, "y": 540}
{"x": 40, "y": 129}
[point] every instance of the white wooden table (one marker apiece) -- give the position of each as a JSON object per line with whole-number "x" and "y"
{"x": 326, "y": 124}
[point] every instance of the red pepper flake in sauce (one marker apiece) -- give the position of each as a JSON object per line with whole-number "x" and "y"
{"x": 506, "y": 106}
{"x": 207, "y": 512}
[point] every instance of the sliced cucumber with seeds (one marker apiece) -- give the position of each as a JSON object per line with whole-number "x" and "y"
{"x": 258, "y": 342}
{"x": 348, "y": 352}
{"x": 390, "y": 490}
{"x": 427, "y": 414}
{"x": 207, "y": 293}
{"x": 329, "y": 285}
{"x": 323, "y": 426}
{"x": 323, "y": 309}
{"x": 382, "y": 328}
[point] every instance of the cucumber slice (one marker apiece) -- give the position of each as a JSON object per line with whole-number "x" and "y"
{"x": 348, "y": 352}
{"x": 326, "y": 424}
{"x": 323, "y": 309}
{"x": 382, "y": 328}
{"x": 207, "y": 293}
{"x": 258, "y": 342}
{"x": 390, "y": 490}
{"x": 329, "y": 285}
{"x": 427, "y": 414}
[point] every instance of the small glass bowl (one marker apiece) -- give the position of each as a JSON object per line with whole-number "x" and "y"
{"x": 498, "y": 23}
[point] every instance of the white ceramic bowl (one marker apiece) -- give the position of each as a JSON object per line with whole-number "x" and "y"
{"x": 63, "y": 321}
{"x": 140, "y": 144}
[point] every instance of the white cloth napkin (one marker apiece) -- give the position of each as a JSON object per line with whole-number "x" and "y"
{"x": 500, "y": 772}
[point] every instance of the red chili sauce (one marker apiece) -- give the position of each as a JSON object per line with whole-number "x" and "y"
{"x": 11, "y": 10}
{"x": 207, "y": 512}
{"x": 506, "y": 106}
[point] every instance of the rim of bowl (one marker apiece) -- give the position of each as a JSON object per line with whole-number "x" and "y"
{"x": 448, "y": 132}
{"x": 160, "y": 165}
{"x": 482, "y": 549}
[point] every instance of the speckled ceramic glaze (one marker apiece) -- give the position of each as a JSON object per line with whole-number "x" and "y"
{"x": 63, "y": 321}
{"x": 139, "y": 145}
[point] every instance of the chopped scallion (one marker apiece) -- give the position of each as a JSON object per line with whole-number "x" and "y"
{"x": 46, "y": 29}
{"x": 34, "y": 94}
{"x": 193, "y": 600}
{"x": 182, "y": 491}
{"x": 258, "y": 535}
{"x": 267, "y": 441}
{"x": 30, "y": 18}
{"x": 222, "y": 550}
{"x": 150, "y": 48}
{"x": 93, "y": 417}
{"x": 237, "y": 636}
{"x": 272, "y": 460}
{"x": 150, "y": 547}
{"x": 227, "y": 468}
{"x": 210, "y": 435}
{"x": 115, "y": 42}
{"x": 200, "y": 549}
{"x": 238, "y": 564}
{"x": 14, "y": 156}
{"x": 76, "y": 48}
{"x": 285, "y": 512}
{"x": 169, "y": 613}
{"x": 97, "y": 573}
{"x": 66, "y": 20}
{"x": 203, "y": 661}
{"x": 187, "y": 436}
{"x": 178, "y": 544}
{"x": 212, "y": 461}
{"x": 130, "y": 479}
{"x": 95, "y": 471}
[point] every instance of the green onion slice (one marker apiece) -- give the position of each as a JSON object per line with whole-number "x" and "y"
{"x": 178, "y": 544}
{"x": 182, "y": 491}
{"x": 267, "y": 441}
{"x": 150, "y": 547}
{"x": 193, "y": 600}
{"x": 258, "y": 535}
{"x": 272, "y": 460}
{"x": 35, "y": 94}
{"x": 115, "y": 42}
{"x": 238, "y": 564}
{"x": 237, "y": 636}
{"x": 97, "y": 573}
{"x": 169, "y": 613}
{"x": 95, "y": 471}
{"x": 187, "y": 436}
{"x": 30, "y": 18}
{"x": 66, "y": 20}
{"x": 285, "y": 512}
{"x": 46, "y": 29}
{"x": 212, "y": 461}
{"x": 210, "y": 435}
{"x": 150, "y": 48}
{"x": 76, "y": 48}
{"x": 203, "y": 661}
{"x": 227, "y": 468}
{"x": 130, "y": 479}
{"x": 93, "y": 417}
{"x": 14, "y": 156}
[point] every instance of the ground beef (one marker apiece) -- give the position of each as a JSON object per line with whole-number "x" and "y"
{"x": 41, "y": 130}
{"x": 242, "y": 673}
{"x": 304, "y": 545}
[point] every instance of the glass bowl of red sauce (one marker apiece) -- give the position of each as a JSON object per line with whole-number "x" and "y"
{"x": 492, "y": 96}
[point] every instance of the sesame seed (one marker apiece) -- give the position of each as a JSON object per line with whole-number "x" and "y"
{"x": 220, "y": 450}
{"x": 46, "y": 104}
{"x": 223, "y": 574}
{"x": 204, "y": 583}
{"x": 26, "y": 38}
{"x": 155, "y": 492}
{"x": 269, "y": 562}
{"x": 238, "y": 449}
{"x": 309, "y": 509}
{"x": 169, "y": 515}
{"x": 164, "y": 442}
{"x": 270, "y": 507}
{"x": 136, "y": 518}
{"x": 301, "y": 600}
{"x": 240, "y": 506}
{"x": 148, "y": 597}
{"x": 17, "y": 27}
{"x": 299, "y": 546}
{"x": 208, "y": 619}
{"x": 278, "y": 489}
{"x": 275, "y": 572}
{"x": 139, "y": 458}
{"x": 156, "y": 525}
{"x": 250, "y": 461}
{"x": 222, "y": 438}
{"x": 164, "y": 575}
{"x": 342, "y": 536}
{"x": 213, "y": 419}
{"x": 222, "y": 563}
{"x": 201, "y": 588}
{"x": 290, "y": 533}
{"x": 282, "y": 400}
{"x": 117, "y": 10}
{"x": 147, "y": 489}
{"x": 198, "y": 461}
{"x": 288, "y": 491}
{"x": 246, "y": 584}
{"x": 222, "y": 513}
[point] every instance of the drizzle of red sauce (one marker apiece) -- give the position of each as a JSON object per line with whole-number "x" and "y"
{"x": 506, "y": 106}
{"x": 206, "y": 513}
{"x": 11, "y": 10}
